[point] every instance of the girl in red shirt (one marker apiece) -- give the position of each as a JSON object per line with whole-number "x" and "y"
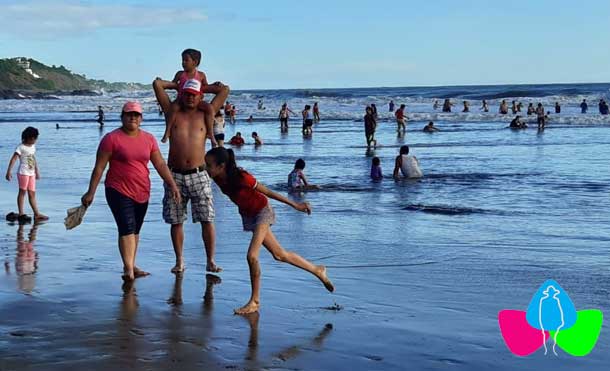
{"x": 257, "y": 216}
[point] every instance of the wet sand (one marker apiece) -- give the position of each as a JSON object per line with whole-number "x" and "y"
{"x": 77, "y": 314}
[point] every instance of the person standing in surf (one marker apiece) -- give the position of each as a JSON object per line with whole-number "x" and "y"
{"x": 401, "y": 120}
{"x": 100, "y": 116}
{"x": 541, "y": 117}
{"x": 370, "y": 125}
{"x": 251, "y": 198}
{"x": 284, "y": 116}
{"x": 316, "y": 112}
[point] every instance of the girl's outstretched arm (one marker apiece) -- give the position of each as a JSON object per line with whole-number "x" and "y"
{"x": 301, "y": 206}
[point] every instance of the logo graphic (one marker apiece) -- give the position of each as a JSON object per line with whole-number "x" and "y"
{"x": 551, "y": 316}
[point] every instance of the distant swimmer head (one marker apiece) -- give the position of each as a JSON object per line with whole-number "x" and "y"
{"x": 404, "y": 150}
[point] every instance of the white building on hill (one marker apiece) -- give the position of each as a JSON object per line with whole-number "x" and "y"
{"x": 25, "y": 64}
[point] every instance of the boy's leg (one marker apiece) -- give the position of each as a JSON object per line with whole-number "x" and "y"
{"x": 279, "y": 254}
{"x": 173, "y": 108}
{"x": 255, "y": 271}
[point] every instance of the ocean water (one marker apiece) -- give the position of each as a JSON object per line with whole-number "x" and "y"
{"x": 421, "y": 267}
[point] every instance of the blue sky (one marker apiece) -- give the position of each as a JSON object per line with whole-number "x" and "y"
{"x": 316, "y": 44}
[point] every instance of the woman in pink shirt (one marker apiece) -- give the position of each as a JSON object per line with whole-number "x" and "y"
{"x": 128, "y": 150}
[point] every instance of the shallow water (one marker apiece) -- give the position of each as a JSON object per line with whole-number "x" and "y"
{"x": 421, "y": 267}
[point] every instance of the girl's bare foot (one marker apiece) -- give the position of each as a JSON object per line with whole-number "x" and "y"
{"x": 128, "y": 277}
{"x": 251, "y": 307}
{"x": 324, "y": 278}
{"x": 40, "y": 217}
{"x": 137, "y": 273}
{"x": 212, "y": 267}
{"x": 179, "y": 267}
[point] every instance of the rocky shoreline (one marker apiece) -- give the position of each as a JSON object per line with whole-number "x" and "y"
{"x": 15, "y": 94}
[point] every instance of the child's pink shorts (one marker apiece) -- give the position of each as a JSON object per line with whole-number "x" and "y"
{"x": 27, "y": 182}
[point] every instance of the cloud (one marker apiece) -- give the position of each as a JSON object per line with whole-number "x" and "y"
{"x": 50, "y": 18}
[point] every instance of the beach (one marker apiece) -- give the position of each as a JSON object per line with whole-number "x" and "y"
{"x": 421, "y": 267}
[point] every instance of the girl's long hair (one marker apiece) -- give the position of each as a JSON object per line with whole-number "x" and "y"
{"x": 226, "y": 156}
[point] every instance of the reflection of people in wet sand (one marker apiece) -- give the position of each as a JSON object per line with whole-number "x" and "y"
{"x": 288, "y": 352}
{"x": 187, "y": 164}
{"x": 128, "y": 151}
{"x": 26, "y": 259}
{"x": 257, "y": 216}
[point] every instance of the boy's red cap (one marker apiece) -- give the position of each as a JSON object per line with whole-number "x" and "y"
{"x": 192, "y": 86}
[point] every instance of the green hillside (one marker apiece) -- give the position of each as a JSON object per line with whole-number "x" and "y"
{"x": 51, "y": 79}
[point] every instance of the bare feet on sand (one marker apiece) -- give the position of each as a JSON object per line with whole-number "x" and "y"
{"x": 324, "y": 278}
{"x": 179, "y": 267}
{"x": 137, "y": 273}
{"x": 128, "y": 276}
{"x": 212, "y": 267}
{"x": 250, "y": 307}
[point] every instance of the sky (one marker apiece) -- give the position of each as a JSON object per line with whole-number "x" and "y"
{"x": 317, "y": 44}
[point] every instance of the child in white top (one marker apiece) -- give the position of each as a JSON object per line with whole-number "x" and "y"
{"x": 27, "y": 174}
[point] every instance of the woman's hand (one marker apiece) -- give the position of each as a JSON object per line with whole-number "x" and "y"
{"x": 177, "y": 196}
{"x": 87, "y": 199}
{"x": 303, "y": 207}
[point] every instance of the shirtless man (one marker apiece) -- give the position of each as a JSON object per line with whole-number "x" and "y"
{"x": 187, "y": 163}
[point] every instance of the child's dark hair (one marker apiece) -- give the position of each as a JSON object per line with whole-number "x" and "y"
{"x": 404, "y": 150}
{"x": 254, "y": 134}
{"x": 29, "y": 133}
{"x": 376, "y": 161}
{"x": 226, "y": 156}
{"x": 195, "y": 54}
{"x": 307, "y": 106}
{"x": 299, "y": 164}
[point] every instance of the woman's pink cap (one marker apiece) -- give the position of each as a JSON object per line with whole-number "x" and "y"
{"x": 132, "y": 107}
